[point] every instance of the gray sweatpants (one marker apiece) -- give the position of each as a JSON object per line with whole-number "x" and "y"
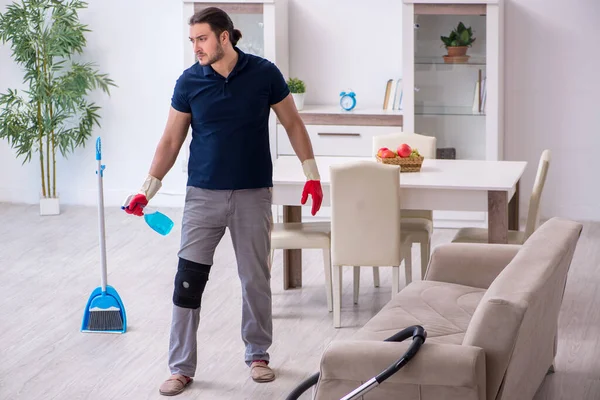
{"x": 247, "y": 214}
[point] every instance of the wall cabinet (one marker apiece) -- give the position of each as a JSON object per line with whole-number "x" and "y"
{"x": 334, "y": 132}
{"x": 459, "y": 100}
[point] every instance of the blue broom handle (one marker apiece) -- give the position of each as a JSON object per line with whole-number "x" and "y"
{"x": 100, "y": 174}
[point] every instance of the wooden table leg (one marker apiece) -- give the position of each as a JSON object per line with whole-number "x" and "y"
{"x": 497, "y": 217}
{"x": 292, "y": 258}
{"x": 513, "y": 210}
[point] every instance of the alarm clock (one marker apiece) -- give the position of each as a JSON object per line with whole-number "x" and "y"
{"x": 348, "y": 100}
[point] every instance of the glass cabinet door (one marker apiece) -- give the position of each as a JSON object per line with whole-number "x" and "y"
{"x": 248, "y": 18}
{"x": 449, "y": 99}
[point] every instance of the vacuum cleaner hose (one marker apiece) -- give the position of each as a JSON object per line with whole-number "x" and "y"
{"x": 303, "y": 387}
{"x": 418, "y": 335}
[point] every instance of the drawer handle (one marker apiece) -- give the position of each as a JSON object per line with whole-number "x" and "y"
{"x": 337, "y": 134}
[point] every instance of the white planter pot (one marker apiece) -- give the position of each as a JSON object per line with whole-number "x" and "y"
{"x": 49, "y": 206}
{"x": 298, "y": 100}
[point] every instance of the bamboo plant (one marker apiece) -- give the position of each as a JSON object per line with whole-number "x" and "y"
{"x": 53, "y": 112}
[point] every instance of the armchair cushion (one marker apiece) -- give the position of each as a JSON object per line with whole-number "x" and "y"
{"x": 444, "y": 309}
{"x": 470, "y": 264}
{"x": 438, "y": 371}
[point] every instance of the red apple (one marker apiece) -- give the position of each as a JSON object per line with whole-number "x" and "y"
{"x": 404, "y": 150}
{"x": 387, "y": 154}
{"x": 381, "y": 151}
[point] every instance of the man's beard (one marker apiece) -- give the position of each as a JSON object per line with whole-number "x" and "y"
{"x": 219, "y": 54}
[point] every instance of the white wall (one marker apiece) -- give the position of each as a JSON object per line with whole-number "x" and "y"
{"x": 552, "y": 88}
{"x": 552, "y": 92}
{"x": 138, "y": 43}
{"x": 331, "y": 54}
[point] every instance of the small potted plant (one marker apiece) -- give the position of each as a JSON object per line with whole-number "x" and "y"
{"x": 457, "y": 43}
{"x": 298, "y": 89}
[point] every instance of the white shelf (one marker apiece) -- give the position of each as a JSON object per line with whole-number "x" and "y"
{"x": 447, "y": 110}
{"x": 336, "y": 109}
{"x": 328, "y": 114}
{"x": 478, "y": 61}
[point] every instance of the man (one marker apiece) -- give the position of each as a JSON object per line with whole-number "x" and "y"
{"x": 226, "y": 97}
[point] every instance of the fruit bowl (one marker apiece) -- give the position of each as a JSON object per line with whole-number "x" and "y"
{"x": 407, "y": 164}
{"x": 408, "y": 159}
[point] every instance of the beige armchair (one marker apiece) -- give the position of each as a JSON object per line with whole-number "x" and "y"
{"x": 491, "y": 316}
{"x": 365, "y": 223}
{"x": 480, "y": 235}
{"x": 416, "y": 224}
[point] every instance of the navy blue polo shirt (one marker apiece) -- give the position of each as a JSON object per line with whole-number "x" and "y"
{"x": 230, "y": 122}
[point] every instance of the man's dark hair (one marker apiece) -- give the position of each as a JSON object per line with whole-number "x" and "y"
{"x": 219, "y": 22}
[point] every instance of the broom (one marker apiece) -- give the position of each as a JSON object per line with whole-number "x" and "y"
{"x": 104, "y": 311}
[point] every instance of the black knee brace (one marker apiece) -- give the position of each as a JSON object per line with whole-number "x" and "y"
{"x": 190, "y": 282}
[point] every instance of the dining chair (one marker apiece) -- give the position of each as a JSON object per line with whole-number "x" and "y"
{"x": 480, "y": 235}
{"x": 317, "y": 235}
{"x": 365, "y": 223}
{"x": 305, "y": 235}
{"x": 417, "y": 224}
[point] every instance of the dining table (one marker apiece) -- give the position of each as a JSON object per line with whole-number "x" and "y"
{"x": 490, "y": 186}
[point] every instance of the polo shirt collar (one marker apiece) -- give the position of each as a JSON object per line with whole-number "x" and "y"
{"x": 241, "y": 63}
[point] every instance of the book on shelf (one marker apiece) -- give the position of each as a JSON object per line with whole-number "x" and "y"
{"x": 479, "y": 95}
{"x": 392, "y": 99}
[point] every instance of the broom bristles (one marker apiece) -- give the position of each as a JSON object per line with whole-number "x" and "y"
{"x": 105, "y": 320}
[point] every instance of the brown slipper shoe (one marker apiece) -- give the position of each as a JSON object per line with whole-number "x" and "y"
{"x": 174, "y": 385}
{"x": 261, "y": 372}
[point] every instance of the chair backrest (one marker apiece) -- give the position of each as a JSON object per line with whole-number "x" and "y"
{"x": 365, "y": 214}
{"x": 425, "y": 144}
{"x": 427, "y": 148}
{"x": 516, "y": 321}
{"x": 533, "y": 214}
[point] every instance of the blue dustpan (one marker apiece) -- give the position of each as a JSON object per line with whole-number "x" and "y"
{"x": 104, "y": 311}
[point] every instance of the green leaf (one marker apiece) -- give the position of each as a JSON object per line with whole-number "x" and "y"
{"x": 296, "y": 85}
{"x": 460, "y": 36}
{"x": 464, "y": 37}
{"x": 43, "y": 37}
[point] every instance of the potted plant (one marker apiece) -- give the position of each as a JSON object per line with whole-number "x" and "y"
{"x": 298, "y": 90}
{"x": 53, "y": 113}
{"x": 457, "y": 43}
